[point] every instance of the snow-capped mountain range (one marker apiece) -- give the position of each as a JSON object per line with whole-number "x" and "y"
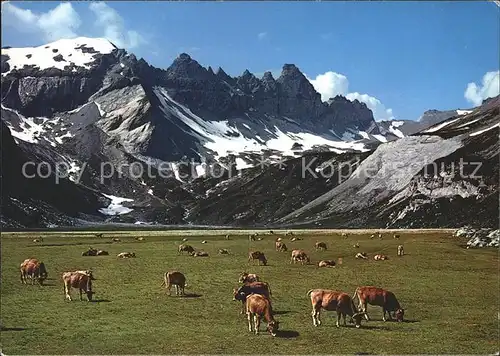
{"x": 87, "y": 103}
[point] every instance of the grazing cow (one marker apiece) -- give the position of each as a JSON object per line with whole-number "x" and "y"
{"x": 204, "y": 242}
{"x": 139, "y": 238}
{"x": 227, "y": 237}
{"x": 258, "y": 306}
{"x": 320, "y": 246}
{"x": 174, "y": 278}
{"x": 248, "y": 278}
{"x": 380, "y": 257}
{"x": 289, "y": 233}
{"x": 259, "y": 256}
{"x": 361, "y": 255}
{"x": 126, "y": 255}
{"x": 401, "y": 250}
{"x": 280, "y": 246}
{"x": 199, "y": 254}
{"x": 245, "y": 290}
{"x": 185, "y": 248}
{"x": 299, "y": 255}
{"x": 38, "y": 240}
{"x": 251, "y": 238}
{"x": 379, "y": 297}
{"x": 223, "y": 251}
{"x": 279, "y": 239}
{"x": 345, "y": 235}
{"x": 331, "y": 300}
{"x": 90, "y": 252}
{"x": 78, "y": 279}
{"x": 380, "y": 235}
{"x": 372, "y": 236}
{"x": 98, "y": 235}
{"x": 356, "y": 245}
{"x": 34, "y": 269}
{"x": 102, "y": 253}
{"x": 326, "y": 263}
{"x": 396, "y": 236}
{"x": 293, "y": 239}
{"x": 116, "y": 239}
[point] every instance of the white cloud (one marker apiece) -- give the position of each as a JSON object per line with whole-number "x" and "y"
{"x": 490, "y": 87}
{"x": 113, "y": 26}
{"x": 60, "y": 22}
{"x": 380, "y": 112}
{"x": 262, "y": 35}
{"x": 64, "y": 22}
{"x": 331, "y": 84}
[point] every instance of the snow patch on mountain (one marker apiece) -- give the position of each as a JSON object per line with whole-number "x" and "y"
{"x": 58, "y": 54}
{"x": 463, "y": 112}
{"x": 116, "y": 207}
{"x": 440, "y": 126}
{"x": 482, "y": 131}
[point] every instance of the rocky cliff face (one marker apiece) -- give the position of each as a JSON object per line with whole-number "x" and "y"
{"x": 85, "y": 104}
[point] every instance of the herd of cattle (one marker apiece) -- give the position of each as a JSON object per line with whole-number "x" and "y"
{"x": 254, "y": 294}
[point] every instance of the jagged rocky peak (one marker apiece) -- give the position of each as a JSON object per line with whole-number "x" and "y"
{"x": 248, "y": 82}
{"x": 268, "y": 77}
{"x": 294, "y": 84}
{"x": 186, "y": 67}
{"x": 268, "y": 82}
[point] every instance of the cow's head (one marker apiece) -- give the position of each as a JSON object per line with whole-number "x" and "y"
{"x": 89, "y": 295}
{"x": 243, "y": 277}
{"x": 400, "y": 314}
{"x": 273, "y": 327}
{"x": 356, "y": 319}
{"x": 42, "y": 273}
{"x": 238, "y": 294}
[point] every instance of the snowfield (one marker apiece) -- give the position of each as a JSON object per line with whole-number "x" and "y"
{"x": 42, "y": 57}
{"x": 115, "y": 207}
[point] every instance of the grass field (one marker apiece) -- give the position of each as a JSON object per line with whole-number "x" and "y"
{"x": 450, "y": 296}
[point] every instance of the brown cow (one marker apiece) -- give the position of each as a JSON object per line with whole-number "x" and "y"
{"x": 379, "y": 297}
{"x": 185, "y": 248}
{"x": 333, "y": 301}
{"x": 280, "y": 246}
{"x": 320, "y": 246}
{"x": 258, "y": 306}
{"x": 299, "y": 255}
{"x": 33, "y": 269}
{"x": 174, "y": 278}
{"x": 361, "y": 255}
{"x": 248, "y": 278}
{"x": 326, "y": 263}
{"x": 380, "y": 257}
{"x": 257, "y": 255}
{"x": 248, "y": 288}
{"x": 78, "y": 279}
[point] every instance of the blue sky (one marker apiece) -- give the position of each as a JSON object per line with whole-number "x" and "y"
{"x": 401, "y": 58}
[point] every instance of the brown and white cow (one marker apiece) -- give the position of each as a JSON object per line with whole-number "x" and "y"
{"x": 326, "y": 263}
{"x": 401, "y": 250}
{"x": 126, "y": 255}
{"x": 174, "y": 278}
{"x": 223, "y": 251}
{"x": 34, "y": 269}
{"x": 185, "y": 248}
{"x": 257, "y": 255}
{"x": 116, "y": 239}
{"x": 380, "y": 257}
{"x": 379, "y": 297}
{"x": 139, "y": 238}
{"x": 248, "y": 288}
{"x": 331, "y": 300}
{"x": 199, "y": 254}
{"x": 248, "y": 278}
{"x": 257, "y": 307}
{"x": 299, "y": 256}
{"x": 280, "y": 246}
{"x": 82, "y": 280}
{"x": 320, "y": 246}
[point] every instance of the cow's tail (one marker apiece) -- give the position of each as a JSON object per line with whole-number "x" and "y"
{"x": 309, "y": 292}
{"x": 164, "y": 283}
